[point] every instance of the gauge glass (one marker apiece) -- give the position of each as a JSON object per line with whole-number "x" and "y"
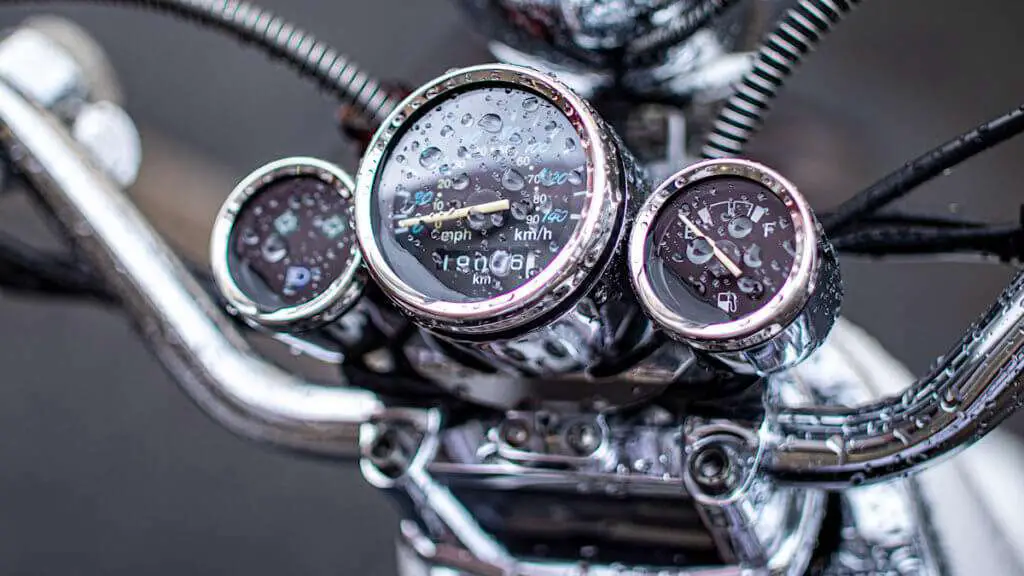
{"x": 720, "y": 249}
{"x": 479, "y": 193}
{"x": 291, "y": 240}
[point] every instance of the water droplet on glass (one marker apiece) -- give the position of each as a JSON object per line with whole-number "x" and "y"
{"x": 460, "y": 181}
{"x": 400, "y": 159}
{"x": 490, "y": 122}
{"x": 477, "y": 220}
{"x": 467, "y": 119}
{"x": 414, "y": 145}
{"x": 553, "y": 247}
{"x": 570, "y": 144}
{"x": 446, "y": 131}
{"x": 515, "y": 139}
{"x": 512, "y": 180}
{"x": 250, "y": 237}
{"x": 531, "y": 103}
{"x": 430, "y": 157}
{"x": 500, "y": 263}
{"x": 551, "y": 127}
{"x": 462, "y": 152}
{"x": 274, "y": 248}
{"x": 575, "y": 177}
{"x": 521, "y": 209}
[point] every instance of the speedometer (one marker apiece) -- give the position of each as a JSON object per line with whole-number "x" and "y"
{"x": 728, "y": 257}
{"x": 490, "y": 200}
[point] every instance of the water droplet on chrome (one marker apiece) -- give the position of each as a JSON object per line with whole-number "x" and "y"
{"x": 490, "y": 123}
{"x": 430, "y": 157}
{"x": 512, "y": 180}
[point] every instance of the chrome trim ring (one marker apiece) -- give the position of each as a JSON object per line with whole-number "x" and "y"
{"x": 776, "y": 314}
{"x": 570, "y": 269}
{"x": 339, "y": 296}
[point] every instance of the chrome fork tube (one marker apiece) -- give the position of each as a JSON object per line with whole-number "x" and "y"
{"x": 194, "y": 340}
{"x": 968, "y": 392}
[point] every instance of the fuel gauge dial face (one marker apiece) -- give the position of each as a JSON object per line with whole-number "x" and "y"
{"x": 722, "y": 249}
{"x": 727, "y": 256}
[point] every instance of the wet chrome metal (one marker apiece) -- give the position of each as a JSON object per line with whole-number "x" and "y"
{"x": 57, "y": 65}
{"x": 965, "y": 396}
{"x": 328, "y": 306}
{"x": 196, "y": 342}
{"x": 885, "y": 528}
{"x": 786, "y": 329}
{"x": 588, "y": 39}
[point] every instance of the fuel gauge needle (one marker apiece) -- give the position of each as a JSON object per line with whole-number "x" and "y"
{"x": 455, "y": 213}
{"x": 722, "y": 257}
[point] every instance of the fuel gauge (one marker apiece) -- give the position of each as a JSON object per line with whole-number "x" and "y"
{"x": 727, "y": 256}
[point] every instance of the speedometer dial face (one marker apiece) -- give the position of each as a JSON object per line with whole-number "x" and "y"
{"x": 479, "y": 193}
{"x": 720, "y": 249}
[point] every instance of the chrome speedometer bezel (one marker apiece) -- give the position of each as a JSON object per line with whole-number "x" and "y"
{"x": 339, "y": 296}
{"x": 572, "y": 266}
{"x": 775, "y": 315}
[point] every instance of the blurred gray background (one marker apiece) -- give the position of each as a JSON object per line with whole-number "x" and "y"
{"x": 108, "y": 469}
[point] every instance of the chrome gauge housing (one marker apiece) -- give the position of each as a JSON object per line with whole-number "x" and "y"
{"x": 727, "y": 256}
{"x": 489, "y": 201}
{"x": 283, "y": 251}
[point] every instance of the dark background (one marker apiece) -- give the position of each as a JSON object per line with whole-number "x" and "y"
{"x": 108, "y": 469}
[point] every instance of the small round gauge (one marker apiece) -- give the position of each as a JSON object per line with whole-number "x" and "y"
{"x": 726, "y": 255}
{"x": 284, "y": 250}
{"x": 488, "y": 188}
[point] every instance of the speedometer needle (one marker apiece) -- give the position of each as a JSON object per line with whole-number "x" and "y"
{"x": 722, "y": 257}
{"x": 456, "y": 213}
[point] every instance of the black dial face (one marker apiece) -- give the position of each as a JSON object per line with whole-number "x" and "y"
{"x": 290, "y": 240}
{"x": 479, "y": 194}
{"x": 720, "y": 249}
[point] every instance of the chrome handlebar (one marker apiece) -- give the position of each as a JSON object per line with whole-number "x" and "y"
{"x": 194, "y": 340}
{"x": 965, "y": 396}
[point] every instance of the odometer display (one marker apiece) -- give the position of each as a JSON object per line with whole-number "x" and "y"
{"x": 479, "y": 193}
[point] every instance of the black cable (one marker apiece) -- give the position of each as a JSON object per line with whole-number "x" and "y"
{"x": 25, "y": 268}
{"x": 1004, "y": 242}
{"x": 927, "y": 166}
{"x": 899, "y": 219}
{"x": 251, "y": 24}
{"x": 678, "y": 30}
